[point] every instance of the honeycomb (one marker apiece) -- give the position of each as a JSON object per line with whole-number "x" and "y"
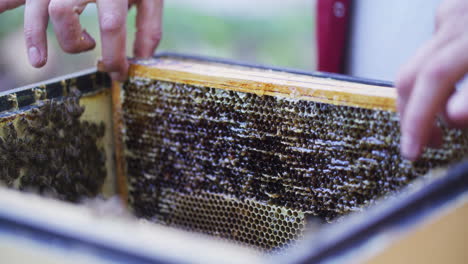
{"x": 259, "y": 225}
{"x": 254, "y": 169}
{"x": 49, "y": 150}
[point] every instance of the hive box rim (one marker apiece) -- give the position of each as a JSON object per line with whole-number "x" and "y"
{"x": 319, "y": 74}
{"x": 54, "y": 88}
{"x": 440, "y": 191}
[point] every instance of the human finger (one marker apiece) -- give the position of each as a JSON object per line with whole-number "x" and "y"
{"x": 35, "y": 25}
{"x": 435, "y": 137}
{"x": 407, "y": 76}
{"x": 448, "y": 9}
{"x": 10, "y": 4}
{"x": 148, "y": 24}
{"x": 457, "y": 108}
{"x": 433, "y": 86}
{"x": 64, "y": 15}
{"x": 112, "y": 19}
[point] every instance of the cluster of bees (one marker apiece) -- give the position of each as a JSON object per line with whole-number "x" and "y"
{"x": 319, "y": 159}
{"x": 49, "y": 150}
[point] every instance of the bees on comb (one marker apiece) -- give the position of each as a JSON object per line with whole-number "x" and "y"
{"x": 317, "y": 159}
{"x": 49, "y": 150}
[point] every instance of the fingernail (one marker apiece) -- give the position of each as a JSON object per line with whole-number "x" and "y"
{"x": 88, "y": 39}
{"x": 34, "y": 56}
{"x": 100, "y": 65}
{"x": 409, "y": 148}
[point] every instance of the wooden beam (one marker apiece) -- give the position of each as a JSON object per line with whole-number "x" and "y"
{"x": 120, "y": 170}
{"x": 266, "y": 82}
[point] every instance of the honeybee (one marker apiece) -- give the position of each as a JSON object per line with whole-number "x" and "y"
{"x": 10, "y": 131}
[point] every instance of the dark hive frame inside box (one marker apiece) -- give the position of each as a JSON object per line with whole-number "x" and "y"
{"x": 45, "y": 144}
{"x": 241, "y": 155}
{"x": 238, "y": 152}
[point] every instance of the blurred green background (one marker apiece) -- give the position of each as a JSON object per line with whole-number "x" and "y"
{"x": 271, "y": 32}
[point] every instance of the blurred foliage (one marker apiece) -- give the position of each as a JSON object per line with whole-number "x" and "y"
{"x": 284, "y": 39}
{"x": 10, "y": 21}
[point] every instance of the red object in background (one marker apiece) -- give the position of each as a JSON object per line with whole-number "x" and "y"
{"x": 332, "y": 28}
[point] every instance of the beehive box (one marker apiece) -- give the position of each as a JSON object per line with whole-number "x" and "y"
{"x": 273, "y": 165}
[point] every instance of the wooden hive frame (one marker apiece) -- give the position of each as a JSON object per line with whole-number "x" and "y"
{"x": 261, "y": 80}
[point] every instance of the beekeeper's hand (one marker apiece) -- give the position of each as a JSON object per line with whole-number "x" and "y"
{"x": 72, "y": 38}
{"x": 426, "y": 85}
